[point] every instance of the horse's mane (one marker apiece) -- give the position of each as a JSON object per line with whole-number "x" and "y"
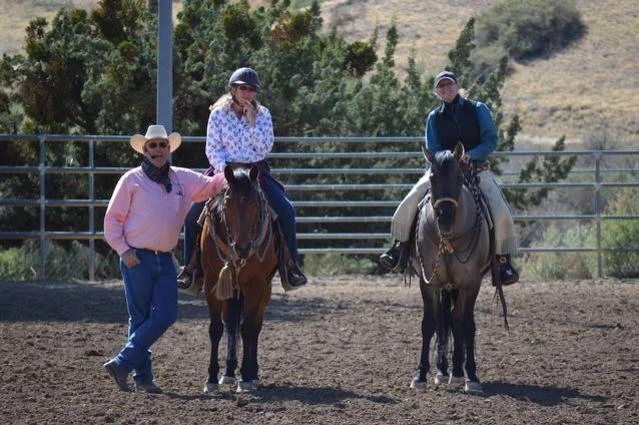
{"x": 241, "y": 185}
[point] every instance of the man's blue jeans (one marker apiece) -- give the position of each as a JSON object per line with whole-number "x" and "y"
{"x": 150, "y": 289}
{"x": 278, "y": 201}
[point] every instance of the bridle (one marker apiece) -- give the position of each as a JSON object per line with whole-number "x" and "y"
{"x": 446, "y": 244}
{"x": 262, "y": 234}
{"x": 443, "y": 200}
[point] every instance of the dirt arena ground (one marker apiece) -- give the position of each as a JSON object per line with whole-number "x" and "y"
{"x": 340, "y": 351}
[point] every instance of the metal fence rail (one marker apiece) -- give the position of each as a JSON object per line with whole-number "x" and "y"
{"x": 340, "y": 191}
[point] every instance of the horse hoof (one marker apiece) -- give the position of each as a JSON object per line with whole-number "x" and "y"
{"x": 440, "y": 378}
{"x": 456, "y": 381}
{"x": 473, "y": 387}
{"x": 210, "y": 388}
{"x": 416, "y": 384}
{"x": 247, "y": 386}
{"x": 227, "y": 380}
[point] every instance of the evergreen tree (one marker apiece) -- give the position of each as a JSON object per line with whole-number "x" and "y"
{"x": 95, "y": 73}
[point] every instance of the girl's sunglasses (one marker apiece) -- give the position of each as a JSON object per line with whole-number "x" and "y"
{"x": 245, "y": 87}
{"x": 153, "y": 145}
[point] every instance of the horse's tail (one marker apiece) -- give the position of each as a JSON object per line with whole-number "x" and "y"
{"x": 224, "y": 287}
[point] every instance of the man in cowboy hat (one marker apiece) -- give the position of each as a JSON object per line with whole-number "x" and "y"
{"x": 142, "y": 223}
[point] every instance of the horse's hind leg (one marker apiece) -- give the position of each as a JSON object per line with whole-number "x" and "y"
{"x": 457, "y": 376}
{"x": 472, "y": 381}
{"x": 443, "y": 332}
{"x": 232, "y": 322}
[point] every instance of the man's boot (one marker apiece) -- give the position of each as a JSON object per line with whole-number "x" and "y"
{"x": 395, "y": 258}
{"x": 507, "y": 272}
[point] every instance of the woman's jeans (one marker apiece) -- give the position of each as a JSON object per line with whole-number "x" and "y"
{"x": 150, "y": 290}
{"x": 276, "y": 198}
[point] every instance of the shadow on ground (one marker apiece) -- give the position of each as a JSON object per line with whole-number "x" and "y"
{"x": 544, "y": 396}
{"x": 104, "y": 303}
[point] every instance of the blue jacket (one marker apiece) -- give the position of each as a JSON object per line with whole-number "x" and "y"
{"x": 487, "y": 131}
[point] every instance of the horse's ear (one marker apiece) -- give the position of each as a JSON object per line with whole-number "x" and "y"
{"x": 428, "y": 155}
{"x": 459, "y": 151}
{"x": 253, "y": 173}
{"x": 229, "y": 174}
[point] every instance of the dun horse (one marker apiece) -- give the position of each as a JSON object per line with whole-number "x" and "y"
{"x": 451, "y": 254}
{"x": 238, "y": 262}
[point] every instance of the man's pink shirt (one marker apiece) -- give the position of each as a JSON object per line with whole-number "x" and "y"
{"x": 141, "y": 214}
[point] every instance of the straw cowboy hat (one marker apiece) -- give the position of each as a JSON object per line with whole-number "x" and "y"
{"x": 155, "y": 132}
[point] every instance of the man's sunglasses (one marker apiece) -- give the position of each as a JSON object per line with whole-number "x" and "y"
{"x": 153, "y": 145}
{"x": 445, "y": 84}
{"x": 245, "y": 87}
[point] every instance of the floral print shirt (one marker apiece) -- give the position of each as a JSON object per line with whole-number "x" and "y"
{"x": 229, "y": 139}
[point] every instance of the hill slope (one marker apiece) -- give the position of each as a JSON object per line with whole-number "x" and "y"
{"x": 590, "y": 87}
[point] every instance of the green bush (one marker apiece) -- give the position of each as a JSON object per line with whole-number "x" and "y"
{"x": 485, "y": 59}
{"x": 61, "y": 263}
{"x": 621, "y": 233}
{"x": 530, "y": 28}
{"x": 19, "y": 263}
{"x": 560, "y": 265}
{"x": 336, "y": 264}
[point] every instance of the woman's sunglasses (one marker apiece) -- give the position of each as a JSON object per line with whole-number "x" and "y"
{"x": 153, "y": 145}
{"x": 245, "y": 87}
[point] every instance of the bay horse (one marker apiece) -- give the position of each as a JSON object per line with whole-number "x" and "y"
{"x": 451, "y": 254}
{"x": 238, "y": 260}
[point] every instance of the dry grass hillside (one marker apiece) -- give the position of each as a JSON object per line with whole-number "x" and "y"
{"x": 590, "y": 87}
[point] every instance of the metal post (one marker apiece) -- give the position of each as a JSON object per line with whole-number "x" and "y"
{"x": 164, "y": 99}
{"x": 597, "y": 207}
{"x": 43, "y": 251}
{"x": 91, "y": 211}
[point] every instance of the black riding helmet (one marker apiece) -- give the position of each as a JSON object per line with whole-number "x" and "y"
{"x": 245, "y": 76}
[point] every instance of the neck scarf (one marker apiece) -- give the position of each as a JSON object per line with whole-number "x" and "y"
{"x": 158, "y": 175}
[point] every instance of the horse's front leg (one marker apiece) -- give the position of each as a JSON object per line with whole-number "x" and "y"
{"x": 431, "y": 305}
{"x": 250, "y": 330}
{"x": 216, "y": 329}
{"x": 232, "y": 322}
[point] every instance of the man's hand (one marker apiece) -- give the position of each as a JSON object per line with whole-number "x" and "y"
{"x": 130, "y": 259}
